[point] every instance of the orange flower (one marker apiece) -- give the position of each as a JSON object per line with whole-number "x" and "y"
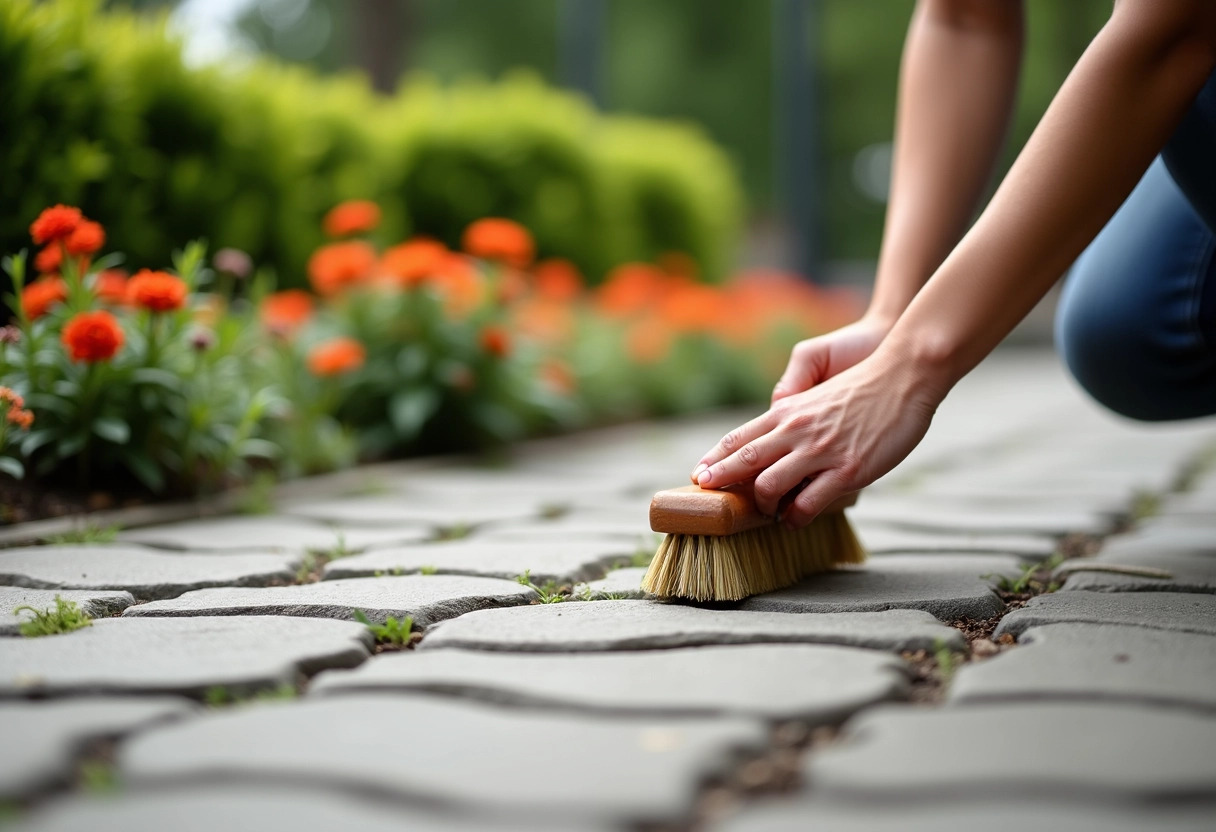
{"x": 558, "y": 279}
{"x": 87, "y": 238}
{"x": 351, "y": 217}
{"x": 336, "y": 356}
{"x": 648, "y": 341}
{"x": 286, "y": 311}
{"x": 337, "y": 266}
{"x": 157, "y": 291}
{"x": 499, "y": 239}
{"x": 414, "y": 261}
{"x": 49, "y": 259}
{"x": 55, "y": 223}
{"x": 21, "y": 418}
{"x": 460, "y": 286}
{"x": 8, "y": 394}
{"x": 546, "y": 320}
{"x": 495, "y": 340}
{"x": 694, "y": 308}
{"x": 678, "y": 264}
{"x": 630, "y": 288}
{"x": 92, "y": 336}
{"x": 38, "y": 297}
{"x": 110, "y": 286}
{"x": 557, "y": 376}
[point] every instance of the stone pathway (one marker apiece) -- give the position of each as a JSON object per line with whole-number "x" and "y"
{"x": 1031, "y": 645}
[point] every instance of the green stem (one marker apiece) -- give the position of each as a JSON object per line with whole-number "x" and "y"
{"x": 88, "y": 394}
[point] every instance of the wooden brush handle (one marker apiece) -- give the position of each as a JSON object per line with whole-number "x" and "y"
{"x": 717, "y": 512}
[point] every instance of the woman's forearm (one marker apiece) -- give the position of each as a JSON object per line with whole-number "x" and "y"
{"x": 1111, "y": 117}
{"x": 957, "y": 85}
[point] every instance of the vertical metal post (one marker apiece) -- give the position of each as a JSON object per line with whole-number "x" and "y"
{"x": 580, "y": 27}
{"x": 795, "y": 117}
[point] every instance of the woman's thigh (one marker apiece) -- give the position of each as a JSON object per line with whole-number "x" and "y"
{"x": 1136, "y": 320}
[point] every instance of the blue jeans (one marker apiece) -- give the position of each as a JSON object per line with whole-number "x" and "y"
{"x": 1136, "y": 324}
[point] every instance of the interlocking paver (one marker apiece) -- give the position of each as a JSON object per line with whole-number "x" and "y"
{"x": 1176, "y": 611}
{"x": 145, "y": 573}
{"x": 632, "y": 523}
{"x": 95, "y": 603}
{"x": 210, "y": 806}
{"x": 619, "y": 584}
{"x": 878, "y": 539}
{"x": 426, "y": 598}
{"x": 561, "y": 561}
{"x": 178, "y": 655}
{"x": 421, "y": 510}
{"x": 814, "y": 683}
{"x": 1088, "y": 750}
{"x": 511, "y": 761}
{"x": 270, "y": 532}
{"x": 937, "y": 516}
{"x": 1011, "y": 813}
{"x": 1167, "y": 538}
{"x": 1097, "y": 662}
{"x": 1187, "y": 573}
{"x": 947, "y": 586}
{"x": 634, "y": 625}
{"x": 42, "y": 739}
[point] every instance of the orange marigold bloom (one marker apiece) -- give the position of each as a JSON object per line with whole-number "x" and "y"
{"x": 8, "y": 394}
{"x": 110, "y": 286}
{"x": 414, "y": 261}
{"x": 337, "y": 266}
{"x": 546, "y": 320}
{"x": 93, "y": 336}
{"x": 354, "y": 216}
{"x": 49, "y": 259}
{"x": 460, "y": 286}
{"x": 499, "y": 239}
{"x": 55, "y": 223}
{"x": 630, "y": 288}
{"x": 648, "y": 341}
{"x": 38, "y": 297}
{"x": 87, "y": 238}
{"x": 495, "y": 340}
{"x": 336, "y": 356}
{"x": 558, "y": 279}
{"x": 286, "y": 311}
{"x": 694, "y": 308}
{"x": 21, "y": 418}
{"x": 557, "y": 376}
{"x": 157, "y": 291}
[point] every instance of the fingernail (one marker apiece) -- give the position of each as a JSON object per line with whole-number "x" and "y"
{"x": 696, "y": 472}
{"x": 703, "y": 478}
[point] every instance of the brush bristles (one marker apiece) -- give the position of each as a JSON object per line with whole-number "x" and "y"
{"x": 733, "y": 567}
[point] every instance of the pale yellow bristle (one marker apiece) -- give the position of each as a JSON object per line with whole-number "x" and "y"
{"x": 730, "y": 568}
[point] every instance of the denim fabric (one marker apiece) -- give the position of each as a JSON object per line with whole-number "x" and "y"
{"x": 1136, "y": 324}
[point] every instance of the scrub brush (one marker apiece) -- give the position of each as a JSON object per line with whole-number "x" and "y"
{"x": 719, "y": 547}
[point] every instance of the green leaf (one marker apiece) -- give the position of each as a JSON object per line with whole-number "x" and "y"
{"x": 411, "y": 362}
{"x": 112, "y": 430}
{"x": 71, "y": 446}
{"x": 144, "y": 469}
{"x": 409, "y": 410}
{"x": 261, "y": 448}
{"x": 157, "y": 377}
{"x": 35, "y": 440}
{"x": 12, "y": 467}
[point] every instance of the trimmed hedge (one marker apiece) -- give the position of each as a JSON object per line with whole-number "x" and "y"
{"x": 99, "y": 110}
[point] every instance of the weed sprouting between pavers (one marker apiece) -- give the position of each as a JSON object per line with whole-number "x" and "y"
{"x": 393, "y": 633}
{"x": 219, "y": 696}
{"x": 1034, "y": 580}
{"x": 89, "y": 533}
{"x": 314, "y": 561}
{"x": 258, "y": 496}
{"x": 66, "y": 617}
{"x": 549, "y": 592}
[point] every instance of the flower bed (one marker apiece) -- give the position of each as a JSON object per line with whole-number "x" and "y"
{"x": 189, "y": 379}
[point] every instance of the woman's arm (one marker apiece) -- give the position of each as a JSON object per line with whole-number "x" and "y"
{"x": 1111, "y": 117}
{"x": 958, "y": 79}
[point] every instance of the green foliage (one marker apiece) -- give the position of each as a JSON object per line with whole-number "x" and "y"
{"x": 946, "y": 660}
{"x": 219, "y": 696}
{"x": 428, "y": 570}
{"x": 1033, "y": 578}
{"x": 101, "y": 111}
{"x": 392, "y": 632}
{"x": 99, "y": 777}
{"x": 66, "y": 617}
{"x": 88, "y": 533}
{"x": 549, "y": 592}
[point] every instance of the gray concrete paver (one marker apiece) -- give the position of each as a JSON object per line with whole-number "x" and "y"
{"x": 880, "y": 539}
{"x": 178, "y": 655}
{"x": 94, "y": 603}
{"x": 270, "y": 532}
{"x": 1175, "y": 611}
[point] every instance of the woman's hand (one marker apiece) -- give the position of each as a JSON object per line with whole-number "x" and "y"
{"x": 816, "y": 360}
{"x": 842, "y": 434}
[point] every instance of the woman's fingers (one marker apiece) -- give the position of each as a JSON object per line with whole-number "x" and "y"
{"x": 783, "y": 480}
{"x": 824, "y": 489}
{"x": 733, "y": 442}
{"x": 745, "y": 463}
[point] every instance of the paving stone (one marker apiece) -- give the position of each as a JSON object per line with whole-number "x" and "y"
{"x": 145, "y": 573}
{"x": 1010, "y": 813}
{"x": 947, "y": 586}
{"x": 269, "y": 532}
{"x": 234, "y": 807}
{"x": 619, "y": 584}
{"x": 469, "y": 755}
{"x": 1044, "y": 496}
{"x": 561, "y": 561}
{"x": 426, "y": 598}
{"x": 813, "y": 683}
{"x": 879, "y": 540}
{"x": 1097, "y": 662}
{"x": 1176, "y": 611}
{"x": 178, "y": 655}
{"x": 1188, "y": 573}
{"x": 1155, "y": 541}
{"x": 1089, "y": 750}
{"x": 937, "y": 516}
{"x": 1190, "y": 502}
{"x": 94, "y": 603}
{"x": 42, "y": 739}
{"x": 632, "y": 524}
{"x": 448, "y": 510}
{"x": 641, "y": 625}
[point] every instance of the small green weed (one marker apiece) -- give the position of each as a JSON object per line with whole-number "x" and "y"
{"x": 258, "y": 497}
{"x": 945, "y": 660}
{"x": 549, "y": 592}
{"x": 88, "y": 533}
{"x": 428, "y": 570}
{"x": 1033, "y": 579}
{"x": 1145, "y": 505}
{"x": 315, "y": 559}
{"x": 219, "y": 696}
{"x": 584, "y": 593}
{"x": 98, "y": 777}
{"x": 396, "y": 572}
{"x": 66, "y": 617}
{"x": 456, "y": 532}
{"x": 392, "y": 631}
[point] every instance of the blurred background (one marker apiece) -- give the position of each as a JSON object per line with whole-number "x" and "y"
{"x": 740, "y": 133}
